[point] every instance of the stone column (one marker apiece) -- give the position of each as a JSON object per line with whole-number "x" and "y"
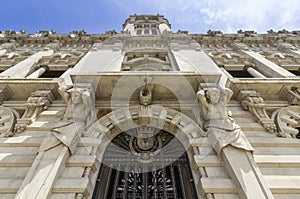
{"x": 263, "y": 65}
{"x": 36, "y": 74}
{"x": 22, "y": 69}
{"x": 255, "y": 73}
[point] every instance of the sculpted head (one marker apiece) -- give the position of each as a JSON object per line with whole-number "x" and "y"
{"x": 76, "y": 96}
{"x": 213, "y": 95}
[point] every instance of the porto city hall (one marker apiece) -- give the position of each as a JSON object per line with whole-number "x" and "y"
{"x": 150, "y": 113}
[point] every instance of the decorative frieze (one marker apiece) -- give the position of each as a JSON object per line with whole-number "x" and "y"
{"x": 251, "y": 100}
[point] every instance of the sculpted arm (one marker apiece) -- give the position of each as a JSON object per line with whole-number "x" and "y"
{"x": 202, "y": 101}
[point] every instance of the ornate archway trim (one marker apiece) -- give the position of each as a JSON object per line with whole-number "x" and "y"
{"x": 181, "y": 126}
{"x": 167, "y": 119}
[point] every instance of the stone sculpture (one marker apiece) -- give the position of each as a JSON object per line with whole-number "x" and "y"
{"x": 79, "y": 115}
{"x": 220, "y": 125}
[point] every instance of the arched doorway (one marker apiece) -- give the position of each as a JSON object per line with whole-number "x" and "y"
{"x": 175, "y": 124}
{"x": 145, "y": 163}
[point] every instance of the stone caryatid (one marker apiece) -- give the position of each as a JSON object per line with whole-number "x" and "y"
{"x": 252, "y": 101}
{"x": 220, "y": 125}
{"x": 79, "y": 115}
{"x": 59, "y": 144}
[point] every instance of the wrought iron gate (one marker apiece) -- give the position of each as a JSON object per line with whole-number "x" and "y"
{"x": 125, "y": 173}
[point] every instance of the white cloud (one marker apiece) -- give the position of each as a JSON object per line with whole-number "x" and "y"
{"x": 228, "y": 15}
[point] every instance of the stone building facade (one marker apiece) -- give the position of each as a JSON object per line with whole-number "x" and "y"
{"x": 150, "y": 113}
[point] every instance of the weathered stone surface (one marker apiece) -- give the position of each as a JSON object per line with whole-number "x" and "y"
{"x": 113, "y": 68}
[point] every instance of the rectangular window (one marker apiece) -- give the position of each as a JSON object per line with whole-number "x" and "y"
{"x": 138, "y": 31}
{"x": 146, "y": 31}
{"x": 154, "y": 32}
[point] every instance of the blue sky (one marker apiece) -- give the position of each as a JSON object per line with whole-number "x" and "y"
{"x": 196, "y": 16}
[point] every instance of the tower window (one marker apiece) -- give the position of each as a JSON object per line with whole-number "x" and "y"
{"x": 154, "y": 32}
{"x": 146, "y": 31}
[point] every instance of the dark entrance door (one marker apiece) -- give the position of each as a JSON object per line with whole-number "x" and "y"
{"x": 145, "y": 169}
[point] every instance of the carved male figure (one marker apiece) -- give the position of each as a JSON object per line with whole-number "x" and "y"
{"x": 221, "y": 127}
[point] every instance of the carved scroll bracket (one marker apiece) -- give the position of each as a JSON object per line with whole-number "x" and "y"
{"x": 38, "y": 102}
{"x": 251, "y": 100}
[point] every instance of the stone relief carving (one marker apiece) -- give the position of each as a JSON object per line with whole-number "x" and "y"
{"x": 8, "y": 118}
{"x": 146, "y": 94}
{"x": 287, "y": 121}
{"x": 68, "y": 58}
{"x": 286, "y": 46}
{"x": 292, "y": 95}
{"x": 251, "y": 100}
{"x": 38, "y": 102}
{"x": 230, "y": 58}
{"x": 218, "y": 122}
{"x": 79, "y": 115}
{"x": 5, "y": 94}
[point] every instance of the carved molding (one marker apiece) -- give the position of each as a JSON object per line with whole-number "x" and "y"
{"x": 38, "y": 102}
{"x": 292, "y": 95}
{"x": 287, "y": 120}
{"x": 251, "y": 100}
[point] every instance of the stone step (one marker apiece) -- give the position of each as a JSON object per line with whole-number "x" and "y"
{"x": 283, "y": 184}
{"x": 276, "y": 151}
{"x": 50, "y": 113}
{"x": 250, "y": 126}
{"x": 243, "y": 120}
{"x": 274, "y": 142}
{"x": 291, "y": 171}
{"x": 10, "y": 186}
{"x": 218, "y": 186}
{"x": 260, "y": 134}
{"x": 7, "y": 196}
{"x": 82, "y": 161}
{"x": 14, "y": 172}
{"x": 64, "y": 196}
{"x": 73, "y": 172}
{"x": 286, "y": 196}
{"x": 8, "y": 160}
{"x": 19, "y": 150}
{"x": 226, "y": 196}
{"x": 203, "y": 141}
{"x": 207, "y": 161}
{"x": 34, "y": 141}
{"x": 277, "y": 160}
{"x": 72, "y": 185}
{"x": 21, "y": 141}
